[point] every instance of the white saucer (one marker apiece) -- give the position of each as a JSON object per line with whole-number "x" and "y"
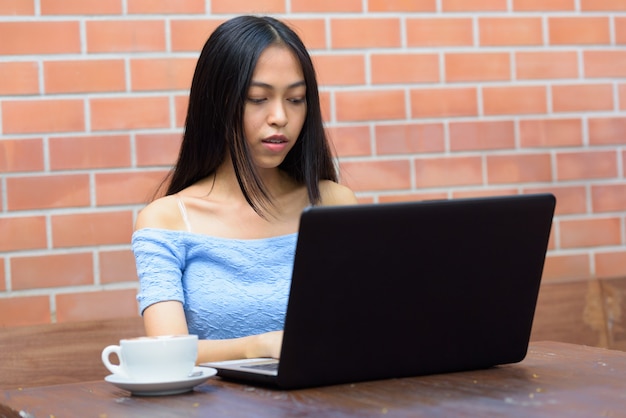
{"x": 197, "y": 376}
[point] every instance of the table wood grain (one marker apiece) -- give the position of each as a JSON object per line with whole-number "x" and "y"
{"x": 555, "y": 379}
{"x": 68, "y": 352}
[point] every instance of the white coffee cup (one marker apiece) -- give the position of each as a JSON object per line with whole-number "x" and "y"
{"x": 153, "y": 359}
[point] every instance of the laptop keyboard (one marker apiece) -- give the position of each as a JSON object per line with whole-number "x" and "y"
{"x": 272, "y": 367}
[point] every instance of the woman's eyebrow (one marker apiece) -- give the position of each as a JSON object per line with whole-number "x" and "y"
{"x": 270, "y": 87}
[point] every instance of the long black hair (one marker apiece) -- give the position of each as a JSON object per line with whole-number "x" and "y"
{"x": 214, "y": 123}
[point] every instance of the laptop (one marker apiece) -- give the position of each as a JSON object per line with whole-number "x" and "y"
{"x": 393, "y": 290}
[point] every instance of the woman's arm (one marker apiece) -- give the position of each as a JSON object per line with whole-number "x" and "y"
{"x": 168, "y": 318}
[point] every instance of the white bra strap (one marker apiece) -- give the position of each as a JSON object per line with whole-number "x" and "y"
{"x": 183, "y": 212}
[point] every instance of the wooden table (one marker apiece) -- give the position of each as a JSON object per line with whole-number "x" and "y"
{"x": 555, "y": 379}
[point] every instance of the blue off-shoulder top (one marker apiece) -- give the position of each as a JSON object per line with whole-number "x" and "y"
{"x": 229, "y": 288}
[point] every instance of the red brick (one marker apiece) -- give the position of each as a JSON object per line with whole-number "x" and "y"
{"x": 433, "y": 31}
{"x": 410, "y": 138}
{"x": 117, "y": 266}
{"x": 2, "y": 278}
{"x": 536, "y": 133}
{"x": 244, "y": 6}
{"x": 585, "y": 30}
{"x": 519, "y": 168}
{"x": 401, "y": 5}
{"x": 610, "y": 264}
{"x": 89, "y": 152}
{"x": 607, "y": 131}
{"x": 472, "y": 66}
{"x": 481, "y": 135}
{"x": 602, "y": 5}
{"x": 21, "y": 155}
{"x": 325, "y": 104}
{"x": 47, "y": 192}
{"x": 157, "y": 149}
{"x": 311, "y": 31}
{"x": 326, "y": 6}
{"x": 412, "y": 197}
{"x": 404, "y": 68}
{"x": 17, "y": 8}
{"x": 84, "y": 76}
{"x": 552, "y": 240}
{"x": 62, "y": 115}
{"x": 543, "y": 5}
{"x": 24, "y": 310}
{"x": 472, "y": 193}
{"x": 181, "y": 103}
{"x": 608, "y": 197}
{"x": 582, "y": 97}
{"x": 51, "y": 270}
{"x": 586, "y": 165}
{"x": 13, "y": 237}
{"x": 537, "y": 65}
{"x": 350, "y": 140}
{"x": 125, "y": 35}
{"x": 19, "y": 78}
{"x": 96, "y": 228}
{"x": 368, "y": 105}
{"x": 620, "y": 30}
{"x": 404, "y": 139}
{"x": 513, "y": 100}
{"x": 127, "y": 188}
{"x": 474, "y": 5}
{"x": 104, "y": 304}
{"x": 162, "y": 73}
{"x": 166, "y": 6}
{"x": 367, "y": 199}
{"x": 191, "y": 35}
{"x": 40, "y": 38}
{"x": 81, "y": 7}
{"x": 566, "y": 267}
{"x": 376, "y": 175}
{"x": 444, "y": 102}
{"x": 510, "y": 31}
{"x": 569, "y": 199}
{"x": 605, "y": 64}
{"x": 576, "y": 233}
{"x": 129, "y": 113}
{"x": 450, "y": 171}
{"x": 365, "y": 33}
{"x": 339, "y": 70}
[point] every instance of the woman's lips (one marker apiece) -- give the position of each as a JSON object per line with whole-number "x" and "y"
{"x": 275, "y": 143}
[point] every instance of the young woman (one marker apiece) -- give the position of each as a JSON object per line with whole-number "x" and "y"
{"x": 214, "y": 256}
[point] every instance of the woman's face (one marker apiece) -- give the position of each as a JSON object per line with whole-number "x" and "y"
{"x": 276, "y": 106}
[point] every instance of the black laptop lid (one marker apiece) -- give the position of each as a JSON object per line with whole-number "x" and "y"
{"x": 403, "y": 289}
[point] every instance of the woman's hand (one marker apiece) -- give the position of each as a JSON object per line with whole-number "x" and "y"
{"x": 168, "y": 318}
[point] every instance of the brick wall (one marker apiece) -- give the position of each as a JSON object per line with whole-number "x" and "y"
{"x": 423, "y": 98}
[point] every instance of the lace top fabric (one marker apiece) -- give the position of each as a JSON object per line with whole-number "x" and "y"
{"x": 229, "y": 288}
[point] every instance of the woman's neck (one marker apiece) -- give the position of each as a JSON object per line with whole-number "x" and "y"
{"x": 224, "y": 182}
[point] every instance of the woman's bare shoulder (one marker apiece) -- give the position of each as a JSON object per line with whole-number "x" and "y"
{"x": 336, "y": 194}
{"x": 163, "y": 213}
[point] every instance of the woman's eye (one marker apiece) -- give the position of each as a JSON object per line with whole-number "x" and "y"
{"x": 297, "y": 100}
{"x": 256, "y": 100}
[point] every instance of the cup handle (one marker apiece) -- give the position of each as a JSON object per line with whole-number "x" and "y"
{"x": 113, "y": 368}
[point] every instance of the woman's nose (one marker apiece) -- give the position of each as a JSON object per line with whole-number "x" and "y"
{"x": 277, "y": 115}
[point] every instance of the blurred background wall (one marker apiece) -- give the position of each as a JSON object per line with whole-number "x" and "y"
{"x": 423, "y": 99}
